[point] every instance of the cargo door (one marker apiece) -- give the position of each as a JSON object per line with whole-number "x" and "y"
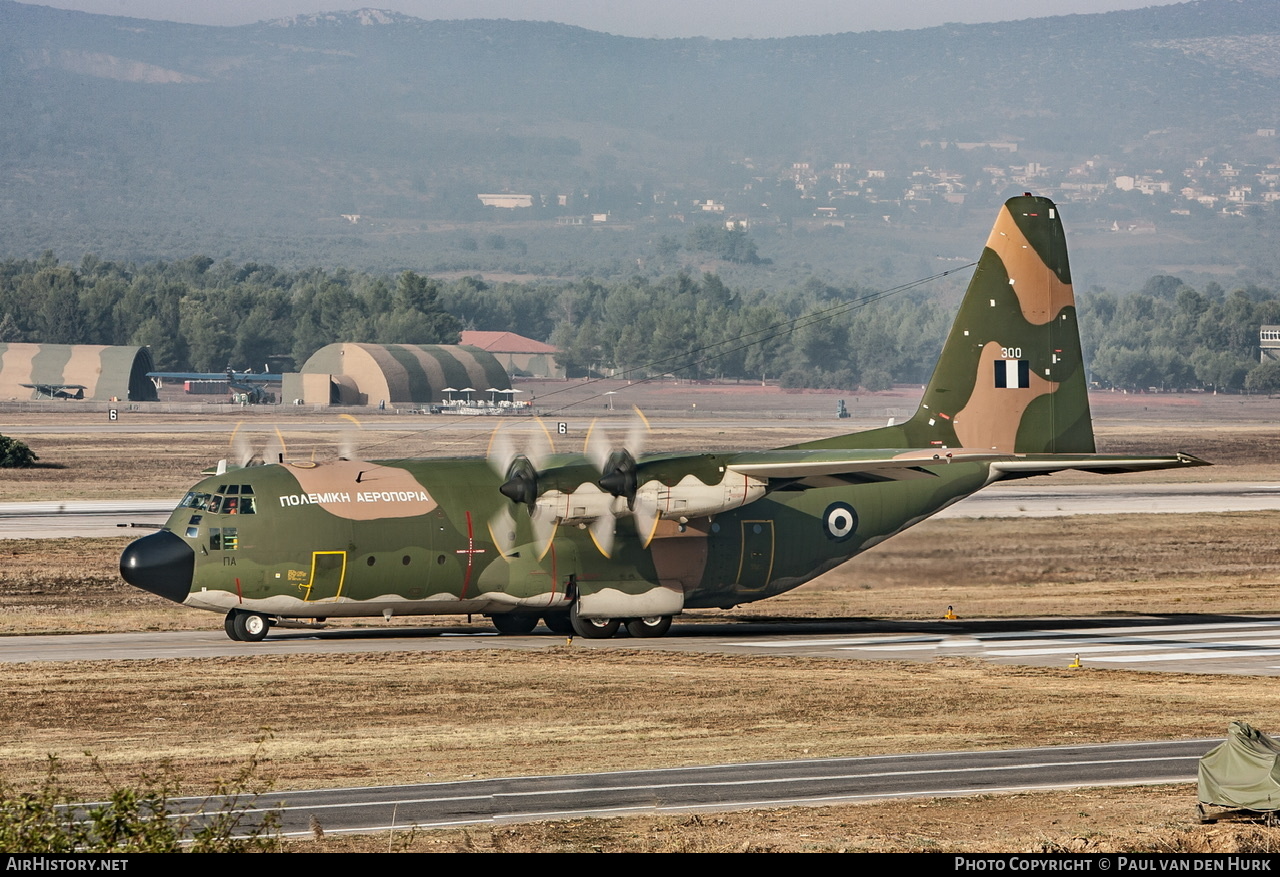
{"x": 328, "y": 572}
{"x": 755, "y": 566}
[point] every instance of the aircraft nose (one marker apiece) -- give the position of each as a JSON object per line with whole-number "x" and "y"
{"x": 160, "y": 563}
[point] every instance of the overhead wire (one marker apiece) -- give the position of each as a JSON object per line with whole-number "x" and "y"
{"x": 689, "y": 359}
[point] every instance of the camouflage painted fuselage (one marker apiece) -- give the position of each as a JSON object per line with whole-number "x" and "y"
{"x": 680, "y": 531}
{"x": 413, "y": 539}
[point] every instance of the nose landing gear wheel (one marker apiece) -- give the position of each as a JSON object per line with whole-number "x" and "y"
{"x": 250, "y": 627}
{"x": 656, "y": 625}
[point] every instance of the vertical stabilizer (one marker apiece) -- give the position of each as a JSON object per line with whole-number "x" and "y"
{"x": 1010, "y": 376}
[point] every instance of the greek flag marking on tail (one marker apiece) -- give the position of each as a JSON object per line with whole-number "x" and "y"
{"x": 1013, "y": 374}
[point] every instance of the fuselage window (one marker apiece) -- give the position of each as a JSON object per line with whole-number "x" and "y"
{"x": 246, "y": 505}
{"x": 215, "y": 539}
{"x": 230, "y": 539}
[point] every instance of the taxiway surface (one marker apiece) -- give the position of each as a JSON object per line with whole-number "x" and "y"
{"x": 731, "y": 786}
{"x": 1215, "y": 644}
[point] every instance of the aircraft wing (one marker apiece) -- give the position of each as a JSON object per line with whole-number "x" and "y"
{"x": 246, "y": 377}
{"x": 825, "y": 468}
{"x": 802, "y": 469}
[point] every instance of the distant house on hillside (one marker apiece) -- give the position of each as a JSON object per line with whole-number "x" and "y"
{"x": 1269, "y": 343}
{"x": 519, "y": 355}
{"x": 506, "y": 201}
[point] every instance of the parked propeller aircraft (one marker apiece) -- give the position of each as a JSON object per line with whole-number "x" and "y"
{"x": 589, "y": 542}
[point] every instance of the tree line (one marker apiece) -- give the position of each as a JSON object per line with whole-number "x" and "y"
{"x": 200, "y": 315}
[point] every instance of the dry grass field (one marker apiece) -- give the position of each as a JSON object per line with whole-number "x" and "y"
{"x": 401, "y": 717}
{"x": 398, "y": 717}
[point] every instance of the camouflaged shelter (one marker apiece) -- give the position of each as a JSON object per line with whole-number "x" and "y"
{"x": 398, "y": 374}
{"x": 104, "y": 372}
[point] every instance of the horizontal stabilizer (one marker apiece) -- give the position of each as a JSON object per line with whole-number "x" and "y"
{"x": 1100, "y": 464}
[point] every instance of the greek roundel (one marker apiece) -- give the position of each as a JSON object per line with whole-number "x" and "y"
{"x": 1012, "y": 374}
{"x": 839, "y": 521}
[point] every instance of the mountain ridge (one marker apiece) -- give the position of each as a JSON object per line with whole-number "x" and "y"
{"x": 161, "y": 139}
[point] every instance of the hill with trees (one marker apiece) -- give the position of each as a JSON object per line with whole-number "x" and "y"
{"x": 363, "y": 140}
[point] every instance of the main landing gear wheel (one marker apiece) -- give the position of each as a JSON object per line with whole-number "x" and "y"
{"x": 229, "y": 625}
{"x": 250, "y": 627}
{"x": 517, "y": 623}
{"x": 655, "y": 625}
{"x": 558, "y": 622}
{"x": 592, "y": 628}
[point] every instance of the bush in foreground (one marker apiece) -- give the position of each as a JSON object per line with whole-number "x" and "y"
{"x": 143, "y": 817}
{"x": 14, "y": 454}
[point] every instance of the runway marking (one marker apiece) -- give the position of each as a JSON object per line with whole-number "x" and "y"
{"x": 1132, "y": 644}
{"x": 1193, "y": 656}
{"x": 1036, "y": 637}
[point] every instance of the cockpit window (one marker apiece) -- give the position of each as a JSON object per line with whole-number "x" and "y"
{"x": 198, "y": 501}
{"x": 231, "y": 499}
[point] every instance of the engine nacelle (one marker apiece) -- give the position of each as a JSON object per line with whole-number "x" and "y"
{"x": 690, "y": 498}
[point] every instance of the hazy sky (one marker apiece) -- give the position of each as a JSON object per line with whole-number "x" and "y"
{"x": 651, "y": 18}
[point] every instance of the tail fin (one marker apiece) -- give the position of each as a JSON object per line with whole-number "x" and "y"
{"x": 1010, "y": 376}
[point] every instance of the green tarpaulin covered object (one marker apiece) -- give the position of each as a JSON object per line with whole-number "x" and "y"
{"x": 1243, "y": 772}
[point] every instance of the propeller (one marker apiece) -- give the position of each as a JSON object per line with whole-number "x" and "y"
{"x": 617, "y": 465}
{"x": 347, "y": 438}
{"x": 620, "y": 477}
{"x": 519, "y": 471}
{"x": 241, "y": 449}
{"x": 243, "y": 454}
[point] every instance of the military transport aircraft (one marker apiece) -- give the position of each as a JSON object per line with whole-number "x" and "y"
{"x": 590, "y": 542}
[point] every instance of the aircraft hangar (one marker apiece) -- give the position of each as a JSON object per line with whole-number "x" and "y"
{"x": 397, "y": 374}
{"x": 75, "y": 371}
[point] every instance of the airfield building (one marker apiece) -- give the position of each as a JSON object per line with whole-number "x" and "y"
{"x": 394, "y": 374}
{"x": 75, "y": 371}
{"x": 1269, "y": 343}
{"x": 520, "y": 356}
